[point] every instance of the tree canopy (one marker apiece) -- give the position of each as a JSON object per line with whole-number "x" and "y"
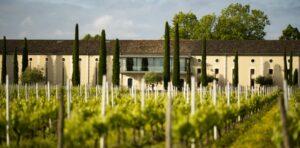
{"x": 236, "y": 22}
{"x": 290, "y": 33}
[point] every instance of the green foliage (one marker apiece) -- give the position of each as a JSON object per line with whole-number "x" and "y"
{"x": 176, "y": 64}
{"x": 75, "y": 59}
{"x": 16, "y": 67}
{"x": 25, "y": 56}
{"x": 295, "y": 77}
{"x": 235, "y": 76}
{"x": 116, "y": 65}
{"x": 166, "y": 70}
{"x": 89, "y": 37}
{"x": 210, "y": 78}
{"x": 102, "y": 58}
{"x": 264, "y": 80}
{"x": 3, "y": 70}
{"x": 290, "y": 77}
{"x": 203, "y": 78}
{"x": 290, "y": 33}
{"x": 236, "y": 22}
{"x": 32, "y": 76}
{"x": 152, "y": 78}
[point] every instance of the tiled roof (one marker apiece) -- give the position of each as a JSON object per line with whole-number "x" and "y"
{"x": 155, "y": 47}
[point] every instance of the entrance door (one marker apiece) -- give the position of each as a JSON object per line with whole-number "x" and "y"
{"x": 252, "y": 83}
{"x": 129, "y": 82}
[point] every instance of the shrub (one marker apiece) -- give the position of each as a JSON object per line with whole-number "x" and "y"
{"x": 32, "y": 76}
{"x": 264, "y": 81}
{"x": 152, "y": 78}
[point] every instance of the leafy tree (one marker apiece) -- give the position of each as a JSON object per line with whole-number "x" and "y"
{"x": 238, "y": 21}
{"x": 4, "y": 52}
{"x": 102, "y": 57}
{"x": 203, "y": 78}
{"x": 31, "y": 76}
{"x": 144, "y": 64}
{"x": 152, "y": 78}
{"x": 188, "y": 73}
{"x": 166, "y": 72}
{"x": 235, "y": 77}
{"x": 25, "y": 56}
{"x": 290, "y": 33}
{"x": 187, "y": 23}
{"x": 16, "y": 66}
{"x": 290, "y": 77}
{"x": 89, "y": 37}
{"x": 264, "y": 80}
{"x": 116, "y": 64}
{"x": 176, "y": 64}
{"x": 75, "y": 59}
{"x": 211, "y": 78}
{"x": 295, "y": 79}
{"x": 285, "y": 66}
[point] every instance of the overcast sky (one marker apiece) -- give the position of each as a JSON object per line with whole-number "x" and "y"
{"x": 124, "y": 19}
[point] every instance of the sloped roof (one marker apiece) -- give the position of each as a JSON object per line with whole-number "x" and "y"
{"x": 155, "y": 47}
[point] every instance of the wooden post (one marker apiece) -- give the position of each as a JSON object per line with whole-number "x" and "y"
{"x": 7, "y": 110}
{"x": 60, "y": 123}
{"x": 103, "y": 108}
{"x": 48, "y": 91}
{"x": 37, "y": 90}
{"x": 169, "y": 119}
{"x": 143, "y": 93}
{"x": 228, "y": 94}
{"x": 193, "y": 101}
{"x": 201, "y": 94}
{"x": 85, "y": 93}
{"x": 283, "y": 115}
{"x": 18, "y": 87}
{"x": 215, "y": 104}
{"x": 106, "y": 93}
{"x": 26, "y": 92}
{"x": 285, "y": 95}
{"x": 68, "y": 99}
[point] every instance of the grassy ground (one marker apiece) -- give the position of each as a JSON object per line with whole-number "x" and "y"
{"x": 253, "y": 132}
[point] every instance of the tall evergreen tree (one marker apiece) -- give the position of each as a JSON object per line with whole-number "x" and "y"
{"x": 25, "y": 56}
{"x": 203, "y": 78}
{"x": 116, "y": 64}
{"x": 75, "y": 59}
{"x": 235, "y": 80}
{"x": 176, "y": 63}
{"x": 285, "y": 66}
{"x": 166, "y": 72}
{"x": 290, "y": 77}
{"x": 102, "y": 58}
{"x": 4, "y": 52}
{"x": 16, "y": 67}
{"x": 295, "y": 79}
{"x": 188, "y": 73}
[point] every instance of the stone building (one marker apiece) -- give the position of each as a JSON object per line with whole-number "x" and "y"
{"x": 256, "y": 57}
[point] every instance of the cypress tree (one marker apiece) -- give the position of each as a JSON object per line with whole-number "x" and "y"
{"x": 116, "y": 65}
{"x": 295, "y": 79}
{"x": 235, "y": 80}
{"x": 290, "y": 77}
{"x": 188, "y": 73}
{"x": 102, "y": 57}
{"x": 75, "y": 59}
{"x": 203, "y": 78}
{"x": 16, "y": 67}
{"x": 285, "y": 66}
{"x": 176, "y": 64}
{"x": 25, "y": 56}
{"x": 166, "y": 72}
{"x": 4, "y": 52}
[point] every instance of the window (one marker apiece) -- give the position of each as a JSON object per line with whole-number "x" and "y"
{"x": 129, "y": 82}
{"x": 217, "y": 60}
{"x": 252, "y": 71}
{"x": 199, "y": 70}
{"x": 270, "y": 71}
{"x": 252, "y": 60}
{"x": 271, "y": 60}
{"x": 30, "y": 59}
{"x": 63, "y": 59}
{"x": 199, "y": 60}
{"x": 252, "y": 82}
{"x": 79, "y": 59}
{"x": 216, "y": 71}
{"x": 144, "y": 64}
{"x": 96, "y": 59}
{"x": 129, "y": 64}
{"x": 46, "y": 59}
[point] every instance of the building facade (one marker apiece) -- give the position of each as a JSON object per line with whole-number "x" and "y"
{"x": 256, "y": 58}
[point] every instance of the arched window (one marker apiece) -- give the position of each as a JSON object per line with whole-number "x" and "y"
{"x": 129, "y": 82}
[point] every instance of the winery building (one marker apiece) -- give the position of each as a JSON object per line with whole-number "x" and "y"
{"x": 256, "y": 58}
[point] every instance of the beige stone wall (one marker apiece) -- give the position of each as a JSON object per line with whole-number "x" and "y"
{"x": 88, "y": 68}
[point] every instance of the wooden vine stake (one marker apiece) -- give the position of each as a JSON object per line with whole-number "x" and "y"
{"x": 228, "y": 93}
{"x": 143, "y": 93}
{"x": 26, "y": 92}
{"x": 238, "y": 99}
{"x": 48, "y": 91}
{"x": 168, "y": 133}
{"x": 285, "y": 95}
{"x": 68, "y": 99}
{"x": 37, "y": 90}
{"x": 60, "y": 123}
{"x": 193, "y": 104}
{"x": 7, "y": 110}
{"x": 214, "y": 95}
{"x": 18, "y": 90}
{"x": 103, "y": 108}
{"x": 85, "y": 93}
{"x": 106, "y": 93}
{"x": 283, "y": 115}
